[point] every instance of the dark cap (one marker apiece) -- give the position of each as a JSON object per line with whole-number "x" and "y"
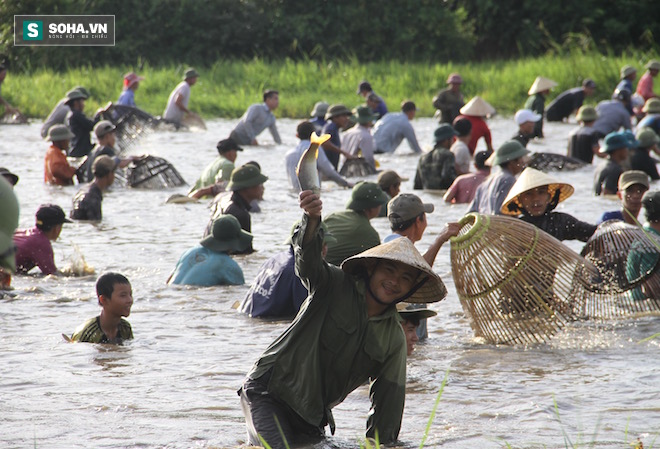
{"x": 227, "y": 145}
{"x": 49, "y": 215}
{"x": 406, "y": 206}
{"x": 591, "y": 84}
{"x": 9, "y": 176}
{"x": 651, "y": 203}
{"x": 480, "y": 159}
{"x": 364, "y": 87}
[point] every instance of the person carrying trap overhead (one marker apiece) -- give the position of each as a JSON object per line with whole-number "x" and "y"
{"x": 347, "y": 332}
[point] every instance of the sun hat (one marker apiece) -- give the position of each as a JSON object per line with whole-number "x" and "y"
{"x": 74, "y": 94}
{"x": 366, "y": 195}
{"x": 190, "y": 73}
{"x": 57, "y": 133}
{"x": 454, "y": 78}
{"x": 586, "y": 114}
{"x": 588, "y": 82}
{"x": 652, "y": 106}
{"x": 8, "y": 224}
{"x": 227, "y": 145}
{"x": 630, "y": 138}
{"x": 632, "y": 177}
{"x": 320, "y": 108}
{"x": 429, "y": 289}
{"x": 406, "y": 206}
{"x": 443, "y": 132}
{"x": 84, "y": 91}
{"x": 336, "y": 110}
{"x": 363, "y": 115}
{"x": 526, "y": 115}
{"x": 463, "y": 127}
{"x": 10, "y": 177}
{"x": 103, "y": 165}
{"x": 364, "y": 86}
{"x": 388, "y": 178}
{"x": 245, "y": 176}
{"x": 508, "y": 151}
{"x": 529, "y": 179}
{"x": 50, "y": 215}
{"x": 227, "y": 235}
{"x": 614, "y": 141}
{"x": 104, "y": 127}
{"x": 653, "y": 65}
{"x": 412, "y": 311}
{"x": 327, "y": 235}
{"x": 477, "y": 107}
{"x": 646, "y": 138}
{"x": 131, "y": 78}
{"x": 541, "y": 84}
{"x": 627, "y": 70}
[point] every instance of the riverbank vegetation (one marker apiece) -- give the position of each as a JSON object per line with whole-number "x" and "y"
{"x": 226, "y": 88}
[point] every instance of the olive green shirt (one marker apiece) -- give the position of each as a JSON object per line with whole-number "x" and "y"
{"x": 353, "y": 233}
{"x": 218, "y": 170}
{"x": 332, "y": 347}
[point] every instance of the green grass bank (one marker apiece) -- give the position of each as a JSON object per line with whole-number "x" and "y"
{"x": 226, "y": 88}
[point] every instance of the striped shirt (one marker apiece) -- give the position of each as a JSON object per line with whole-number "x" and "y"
{"x": 91, "y": 332}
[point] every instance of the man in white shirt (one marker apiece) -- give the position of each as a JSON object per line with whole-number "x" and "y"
{"x": 177, "y": 104}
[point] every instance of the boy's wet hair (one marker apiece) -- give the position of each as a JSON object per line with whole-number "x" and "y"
{"x": 305, "y": 130}
{"x": 105, "y": 284}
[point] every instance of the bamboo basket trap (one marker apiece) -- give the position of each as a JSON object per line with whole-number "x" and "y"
{"x": 151, "y": 172}
{"x": 626, "y": 257}
{"x": 516, "y": 283}
{"x": 132, "y": 125}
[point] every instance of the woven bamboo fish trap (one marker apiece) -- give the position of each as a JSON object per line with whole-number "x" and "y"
{"x": 627, "y": 259}
{"x": 357, "y": 168}
{"x": 551, "y": 161}
{"x": 515, "y": 282}
{"x": 152, "y": 172}
{"x": 132, "y": 125}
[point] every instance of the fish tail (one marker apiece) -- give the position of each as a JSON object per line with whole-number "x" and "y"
{"x": 318, "y": 140}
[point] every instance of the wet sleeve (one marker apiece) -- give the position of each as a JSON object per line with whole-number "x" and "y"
{"x": 388, "y": 394}
{"x": 312, "y": 270}
{"x": 409, "y": 133}
{"x": 275, "y": 133}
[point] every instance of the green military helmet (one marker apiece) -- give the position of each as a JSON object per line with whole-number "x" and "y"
{"x": 246, "y": 176}
{"x": 366, "y": 195}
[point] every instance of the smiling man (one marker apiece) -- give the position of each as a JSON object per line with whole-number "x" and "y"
{"x": 347, "y": 332}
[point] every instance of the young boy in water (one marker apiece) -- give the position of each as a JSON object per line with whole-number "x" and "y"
{"x": 412, "y": 315}
{"x": 115, "y": 295}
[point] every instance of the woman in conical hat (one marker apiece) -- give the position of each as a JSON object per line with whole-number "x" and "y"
{"x": 536, "y": 100}
{"x": 476, "y": 111}
{"x": 533, "y": 198}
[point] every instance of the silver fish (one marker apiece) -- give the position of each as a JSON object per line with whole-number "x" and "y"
{"x": 307, "y": 171}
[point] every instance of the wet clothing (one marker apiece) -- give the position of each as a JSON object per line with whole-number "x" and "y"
{"x": 323, "y": 164}
{"x": 612, "y": 215}
{"x": 435, "y": 169}
{"x": 330, "y": 349}
{"x": 33, "y": 249}
{"x": 57, "y": 169}
{"x": 353, "y": 232}
{"x": 565, "y": 104}
{"x": 464, "y": 187}
{"x": 536, "y": 103}
{"x": 127, "y": 98}
{"x": 276, "y": 290}
{"x": 81, "y": 127}
{"x": 332, "y": 129}
{"x": 257, "y": 118}
{"x": 239, "y": 208}
{"x": 607, "y": 177}
{"x": 490, "y": 194}
{"x": 87, "y": 203}
{"x": 612, "y": 115}
{"x": 581, "y": 143}
{"x": 390, "y": 131}
{"x": 205, "y": 267}
{"x": 462, "y": 156}
{"x": 640, "y": 159}
{"x": 359, "y": 141}
{"x": 650, "y": 121}
{"x": 562, "y": 226}
{"x": 645, "y": 86}
{"x": 91, "y": 332}
{"x": 479, "y": 129}
{"x": 173, "y": 113}
{"x": 86, "y": 167}
{"x": 218, "y": 170}
{"x": 448, "y": 103}
{"x": 56, "y": 117}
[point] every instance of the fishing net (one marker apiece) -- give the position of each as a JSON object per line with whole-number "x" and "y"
{"x": 551, "y": 161}
{"x": 515, "y": 282}
{"x": 357, "y": 168}
{"x": 629, "y": 273}
{"x": 132, "y": 125}
{"x": 151, "y": 172}
{"x": 13, "y": 118}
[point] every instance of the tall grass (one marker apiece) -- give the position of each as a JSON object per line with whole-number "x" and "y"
{"x": 227, "y": 87}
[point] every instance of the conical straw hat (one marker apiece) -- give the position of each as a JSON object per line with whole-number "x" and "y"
{"x": 477, "y": 107}
{"x": 541, "y": 84}
{"x": 401, "y": 250}
{"x": 529, "y": 179}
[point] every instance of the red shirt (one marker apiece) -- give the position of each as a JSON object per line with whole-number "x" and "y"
{"x": 645, "y": 86}
{"x": 479, "y": 129}
{"x": 465, "y": 186}
{"x": 57, "y": 169}
{"x": 33, "y": 249}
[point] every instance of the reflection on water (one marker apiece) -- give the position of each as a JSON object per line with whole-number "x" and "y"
{"x": 175, "y": 384}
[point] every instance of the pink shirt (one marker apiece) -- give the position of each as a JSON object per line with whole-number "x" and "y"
{"x": 479, "y": 129}
{"x": 645, "y": 86}
{"x": 464, "y": 187}
{"x": 33, "y": 249}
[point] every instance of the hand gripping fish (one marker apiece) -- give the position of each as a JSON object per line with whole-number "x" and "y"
{"x": 308, "y": 173}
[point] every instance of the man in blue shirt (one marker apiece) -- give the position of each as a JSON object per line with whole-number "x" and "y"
{"x": 257, "y": 118}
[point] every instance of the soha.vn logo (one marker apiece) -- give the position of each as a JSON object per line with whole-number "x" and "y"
{"x": 33, "y": 30}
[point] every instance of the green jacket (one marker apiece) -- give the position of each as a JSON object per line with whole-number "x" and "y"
{"x": 218, "y": 170}
{"x": 353, "y": 233}
{"x": 332, "y": 347}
